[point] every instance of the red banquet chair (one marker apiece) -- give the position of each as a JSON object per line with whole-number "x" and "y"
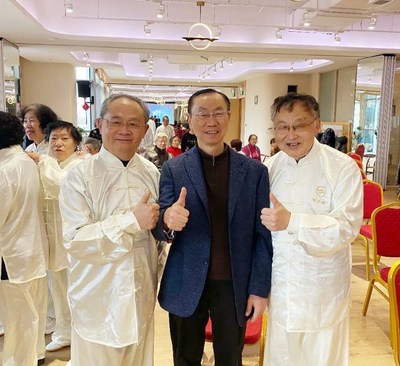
{"x": 394, "y": 301}
{"x": 254, "y": 332}
{"x": 360, "y": 150}
{"x": 373, "y": 198}
{"x": 385, "y": 222}
{"x": 354, "y": 156}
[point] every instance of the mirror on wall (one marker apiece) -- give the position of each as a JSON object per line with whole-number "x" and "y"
{"x": 367, "y": 103}
{"x": 10, "y": 80}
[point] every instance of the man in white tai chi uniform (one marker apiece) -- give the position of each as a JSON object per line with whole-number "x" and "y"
{"x": 107, "y": 204}
{"x": 316, "y": 196}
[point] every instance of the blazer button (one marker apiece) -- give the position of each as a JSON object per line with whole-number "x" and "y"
{"x": 206, "y": 262}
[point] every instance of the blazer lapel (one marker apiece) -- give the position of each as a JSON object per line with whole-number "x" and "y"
{"x": 237, "y": 173}
{"x": 192, "y": 166}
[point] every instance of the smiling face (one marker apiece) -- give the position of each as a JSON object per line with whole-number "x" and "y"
{"x": 209, "y": 121}
{"x": 161, "y": 142}
{"x": 123, "y": 141}
{"x": 176, "y": 141}
{"x": 62, "y": 144}
{"x": 296, "y": 144}
{"x": 32, "y": 127}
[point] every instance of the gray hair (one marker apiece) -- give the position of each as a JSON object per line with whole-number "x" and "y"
{"x": 112, "y": 97}
{"x": 160, "y": 134}
{"x": 289, "y": 100}
{"x": 96, "y": 143}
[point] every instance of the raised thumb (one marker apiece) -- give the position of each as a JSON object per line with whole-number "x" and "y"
{"x": 182, "y": 197}
{"x": 145, "y": 197}
{"x": 273, "y": 199}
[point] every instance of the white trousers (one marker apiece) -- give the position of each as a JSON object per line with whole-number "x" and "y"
{"x": 59, "y": 287}
{"x": 23, "y": 308}
{"x": 84, "y": 353}
{"x": 327, "y": 347}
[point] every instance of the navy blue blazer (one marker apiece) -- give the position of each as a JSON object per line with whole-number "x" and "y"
{"x": 250, "y": 242}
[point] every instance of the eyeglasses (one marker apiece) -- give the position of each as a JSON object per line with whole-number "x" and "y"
{"x": 283, "y": 129}
{"x": 130, "y": 125}
{"x": 219, "y": 116}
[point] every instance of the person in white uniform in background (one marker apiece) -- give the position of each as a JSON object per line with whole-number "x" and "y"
{"x": 36, "y": 117}
{"x": 316, "y": 213}
{"x": 166, "y": 128}
{"x": 23, "y": 248}
{"x": 108, "y": 208}
{"x": 63, "y": 139}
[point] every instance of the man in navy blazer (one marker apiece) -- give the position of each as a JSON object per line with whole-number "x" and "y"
{"x": 219, "y": 263}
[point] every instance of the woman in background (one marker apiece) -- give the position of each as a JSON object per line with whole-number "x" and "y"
{"x": 252, "y": 150}
{"x": 63, "y": 139}
{"x": 173, "y": 148}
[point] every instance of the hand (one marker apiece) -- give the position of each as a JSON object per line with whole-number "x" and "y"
{"x": 146, "y": 213}
{"x": 33, "y": 155}
{"x": 176, "y": 216}
{"x": 277, "y": 218}
{"x": 257, "y": 305}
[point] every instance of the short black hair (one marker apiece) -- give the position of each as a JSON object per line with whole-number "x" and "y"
{"x": 11, "y": 130}
{"x": 253, "y": 134}
{"x": 63, "y": 125}
{"x": 207, "y": 91}
{"x": 43, "y": 113}
{"x": 289, "y": 100}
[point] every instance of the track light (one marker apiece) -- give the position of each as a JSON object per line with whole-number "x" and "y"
{"x": 278, "y": 35}
{"x": 147, "y": 30}
{"x": 85, "y": 56}
{"x": 215, "y": 69}
{"x": 372, "y": 23}
{"x": 337, "y": 38}
{"x": 306, "y": 20}
{"x": 161, "y": 11}
{"x": 230, "y": 62}
{"x": 222, "y": 65}
{"x": 69, "y": 8}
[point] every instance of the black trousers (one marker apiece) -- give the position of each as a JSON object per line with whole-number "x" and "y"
{"x": 188, "y": 334}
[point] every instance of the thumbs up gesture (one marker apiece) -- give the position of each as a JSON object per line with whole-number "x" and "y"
{"x": 276, "y": 218}
{"x": 146, "y": 213}
{"x": 176, "y": 216}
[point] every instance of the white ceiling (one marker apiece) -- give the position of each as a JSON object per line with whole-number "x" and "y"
{"x": 109, "y": 34}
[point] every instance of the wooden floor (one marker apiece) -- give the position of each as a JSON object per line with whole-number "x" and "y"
{"x": 369, "y": 336}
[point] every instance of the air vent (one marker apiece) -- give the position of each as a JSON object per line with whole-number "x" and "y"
{"x": 379, "y": 2}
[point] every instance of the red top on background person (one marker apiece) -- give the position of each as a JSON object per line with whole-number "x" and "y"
{"x": 173, "y": 147}
{"x": 251, "y": 150}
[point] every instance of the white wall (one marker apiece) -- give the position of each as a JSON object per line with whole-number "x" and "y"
{"x": 267, "y": 87}
{"x": 51, "y": 84}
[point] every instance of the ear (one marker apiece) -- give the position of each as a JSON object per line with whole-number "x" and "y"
{"x": 317, "y": 126}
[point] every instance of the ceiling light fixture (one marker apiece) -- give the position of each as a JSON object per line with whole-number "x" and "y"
{"x": 306, "y": 19}
{"x": 278, "y": 35}
{"x": 200, "y": 35}
{"x": 337, "y": 38}
{"x": 291, "y": 67}
{"x": 85, "y": 56}
{"x": 69, "y": 8}
{"x": 222, "y": 65}
{"x": 230, "y": 63}
{"x": 372, "y": 23}
{"x": 161, "y": 11}
{"x": 147, "y": 30}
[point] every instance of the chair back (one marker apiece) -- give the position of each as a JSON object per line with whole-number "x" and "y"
{"x": 373, "y": 197}
{"x": 354, "y": 156}
{"x": 360, "y": 149}
{"x": 385, "y": 223}
{"x": 394, "y": 303}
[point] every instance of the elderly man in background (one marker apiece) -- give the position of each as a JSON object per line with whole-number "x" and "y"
{"x": 108, "y": 206}
{"x": 23, "y": 250}
{"x": 166, "y": 128}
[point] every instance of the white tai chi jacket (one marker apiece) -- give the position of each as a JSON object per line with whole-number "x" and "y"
{"x": 41, "y": 148}
{"x": 51, "y": 175}
{"x": 113, "y": 270}
{"x": 311, "y": 269}
{"x": 23, "y": 243}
